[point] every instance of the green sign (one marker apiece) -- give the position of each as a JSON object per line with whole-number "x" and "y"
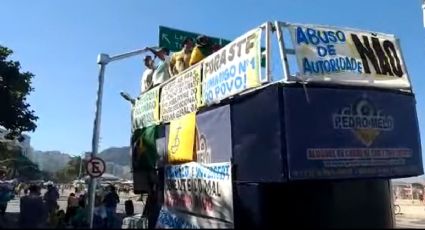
{"x": 172, "y": 38}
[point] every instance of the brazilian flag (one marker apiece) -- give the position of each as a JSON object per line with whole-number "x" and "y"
{"x": 143, "y": 144}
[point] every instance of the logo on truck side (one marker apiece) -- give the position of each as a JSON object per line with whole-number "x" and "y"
{"x": 364, "y": 120}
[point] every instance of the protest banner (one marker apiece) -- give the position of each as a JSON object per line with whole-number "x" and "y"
{"x": 200, "y": 189}
{"x": 233, "y": 69}
{"x": 170, "y": 220}
{"x": 181, "y": 139}
{"x": 146, "y": 109}
{"x": 173, "y": 219}
{"x": 348, "y": 56}
{"x": 182, "y": 95}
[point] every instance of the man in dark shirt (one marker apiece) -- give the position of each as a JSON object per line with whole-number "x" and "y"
{"x": 111, "y": 200}
{"x": 33, "y": 213}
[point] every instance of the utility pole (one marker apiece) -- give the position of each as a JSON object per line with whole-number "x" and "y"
{"x": 423, "y": 11}
{"x": 102, "y": 61}
{"x": 81, "y": 167}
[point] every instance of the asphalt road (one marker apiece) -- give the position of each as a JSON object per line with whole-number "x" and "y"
{"x": 403, "y": 221}
{"x": 411, "y": 216}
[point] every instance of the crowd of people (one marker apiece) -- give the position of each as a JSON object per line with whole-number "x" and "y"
{"x": 168, "y": 67}
{"x": 39, "y": 210}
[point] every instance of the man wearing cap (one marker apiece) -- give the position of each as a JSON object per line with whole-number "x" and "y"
{"x": 180, "y": 60}
{"x": 162, "y": 72}
{"x": 202, "y": 50}
{"x": 146, "y": 82}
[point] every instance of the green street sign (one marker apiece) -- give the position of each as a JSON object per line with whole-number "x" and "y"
{"x": 172, "y": 38}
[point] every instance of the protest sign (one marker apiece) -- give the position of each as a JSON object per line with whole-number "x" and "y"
{"x": 146, "y": 109}
{"x": 170, "y": 220}
{"x": 173, "y": 219}
{"x": 233, "y": 69}
{"x": 348, "y": 56}
{"x": 200, "y": 189}
{"x": 182, "y": 95}
{"x": 181, "y": 139}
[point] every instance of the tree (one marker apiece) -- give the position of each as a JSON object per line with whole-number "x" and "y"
{"x": 15, "y": 85}
{"x": 16, "y": 164}
{"x": 72, "y": 170}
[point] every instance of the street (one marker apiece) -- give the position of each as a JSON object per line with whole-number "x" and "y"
{"x": 412, "y": 214}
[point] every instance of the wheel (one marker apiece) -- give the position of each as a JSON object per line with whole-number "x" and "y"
{"x": 397, "y": 209}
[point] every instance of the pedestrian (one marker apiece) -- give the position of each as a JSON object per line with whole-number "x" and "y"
{"x": 51, "y": 198}
{"x": 60, "y": 222}
{"x": 79, "y": 220}
{"x": 26, "y": 190}
{"x": 111, "y": 201}
{"x": 6, "y": 194}
{"x": 99, "y": 214}
{"x": 71, "y": 207}
{"x": 33, "y": 213}
{"x": 162, "y": 71}
{"x": 180, "y": 60}
{"x": 18, "y": 189}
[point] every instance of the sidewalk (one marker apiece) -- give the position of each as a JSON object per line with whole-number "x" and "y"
{"x": 410, "y": 209}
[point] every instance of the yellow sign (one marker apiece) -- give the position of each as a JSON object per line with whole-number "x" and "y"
{"x": 181, "y": 139}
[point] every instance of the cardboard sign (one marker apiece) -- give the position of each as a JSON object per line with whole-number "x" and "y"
{"x": 182, "y": 95}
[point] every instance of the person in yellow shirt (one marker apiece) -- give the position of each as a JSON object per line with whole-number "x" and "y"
{"x": 202, "y": 50}
{"x": 180, "y": 60}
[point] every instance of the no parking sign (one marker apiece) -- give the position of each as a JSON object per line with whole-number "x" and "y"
{"x": 95, "y": 167}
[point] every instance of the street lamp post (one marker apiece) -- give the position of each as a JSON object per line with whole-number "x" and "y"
{"x": 423, "y": 11}
{"x": 102, "y": 61}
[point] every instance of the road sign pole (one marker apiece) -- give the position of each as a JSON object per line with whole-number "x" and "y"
{"x": 102, "y": 61}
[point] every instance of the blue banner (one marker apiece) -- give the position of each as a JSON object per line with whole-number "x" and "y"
{"x": 351, "y": 133}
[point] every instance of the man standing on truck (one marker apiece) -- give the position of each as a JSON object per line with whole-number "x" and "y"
{"x": 147, "y": 78}
{"x": 202, "y": 50}
{"x": 180, "y": 60}
{"x": 162, "y": 72}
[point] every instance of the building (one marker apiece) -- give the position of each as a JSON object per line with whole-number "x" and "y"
{"x": 412, "y": 189}
{"x": 110, "y": 168}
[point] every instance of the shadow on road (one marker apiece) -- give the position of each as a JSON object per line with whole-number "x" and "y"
{"x": 10, "y": 220}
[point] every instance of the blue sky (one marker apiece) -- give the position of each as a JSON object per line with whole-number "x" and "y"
{"x": 59, "y": 40}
